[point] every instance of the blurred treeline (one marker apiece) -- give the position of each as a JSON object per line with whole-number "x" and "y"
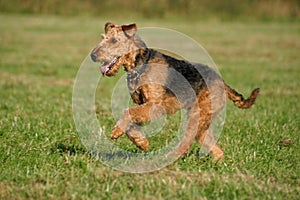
{"x": 190, "y": 9}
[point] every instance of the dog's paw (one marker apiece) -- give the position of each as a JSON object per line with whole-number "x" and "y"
{"x": 218, "y": 157}
{"x": 116, "y": 132}
{"x": 138, "y": 138}
{"x": 141, "y": 143}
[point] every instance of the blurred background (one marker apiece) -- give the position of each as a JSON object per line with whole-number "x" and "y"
{"x": 191, "y": 9}
{"x": 254, "y": 43}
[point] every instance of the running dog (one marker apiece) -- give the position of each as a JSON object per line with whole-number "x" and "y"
{"x": 160, "y": 84}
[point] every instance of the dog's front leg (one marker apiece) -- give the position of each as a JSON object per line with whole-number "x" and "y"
{"x": 136, "y": 115}
{"x": 135, "y": 134}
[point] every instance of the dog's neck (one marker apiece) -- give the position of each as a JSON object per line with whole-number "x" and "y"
{"x": 134, "y": 60}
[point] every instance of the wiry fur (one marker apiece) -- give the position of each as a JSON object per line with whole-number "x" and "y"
{"x": 160, "y": 84}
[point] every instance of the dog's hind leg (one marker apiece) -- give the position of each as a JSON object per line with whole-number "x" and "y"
{"x": 207, "y": 140}
{"x": 208, "y": 111}
{"x": 189, "y": 135}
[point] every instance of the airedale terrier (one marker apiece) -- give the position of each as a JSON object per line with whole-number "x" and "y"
{"x": 159, "y": 84}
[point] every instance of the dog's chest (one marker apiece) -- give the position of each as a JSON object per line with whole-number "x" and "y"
{"x": 134, "y": 82}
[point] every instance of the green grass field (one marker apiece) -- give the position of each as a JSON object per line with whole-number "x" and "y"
{"x": 41, "y": 156}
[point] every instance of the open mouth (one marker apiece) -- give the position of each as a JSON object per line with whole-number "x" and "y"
{"x": 107, "y": 66}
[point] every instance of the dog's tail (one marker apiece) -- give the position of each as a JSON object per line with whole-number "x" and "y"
{"x": 239, "y": 100}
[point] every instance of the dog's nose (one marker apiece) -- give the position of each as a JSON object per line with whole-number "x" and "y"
{"x": 94, "y": 57}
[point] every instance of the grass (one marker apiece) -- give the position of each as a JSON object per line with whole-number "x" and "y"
{"x": 42, "y": 156}
{"x": 163, "y": 9}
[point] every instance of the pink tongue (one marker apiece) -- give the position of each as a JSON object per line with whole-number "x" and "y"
{"x": 104, "y": 68}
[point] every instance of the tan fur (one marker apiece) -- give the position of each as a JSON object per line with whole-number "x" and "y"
{"x": 147, "y": 88}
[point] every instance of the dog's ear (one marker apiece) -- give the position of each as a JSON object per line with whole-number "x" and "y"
{"x": 108, "y": 26}
{"x": 129, "y": 30}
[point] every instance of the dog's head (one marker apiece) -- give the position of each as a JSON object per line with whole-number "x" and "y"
{"x": 116, "y": 44}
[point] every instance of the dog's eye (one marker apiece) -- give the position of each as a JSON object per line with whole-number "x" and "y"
{"x": 113, "y": 40}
